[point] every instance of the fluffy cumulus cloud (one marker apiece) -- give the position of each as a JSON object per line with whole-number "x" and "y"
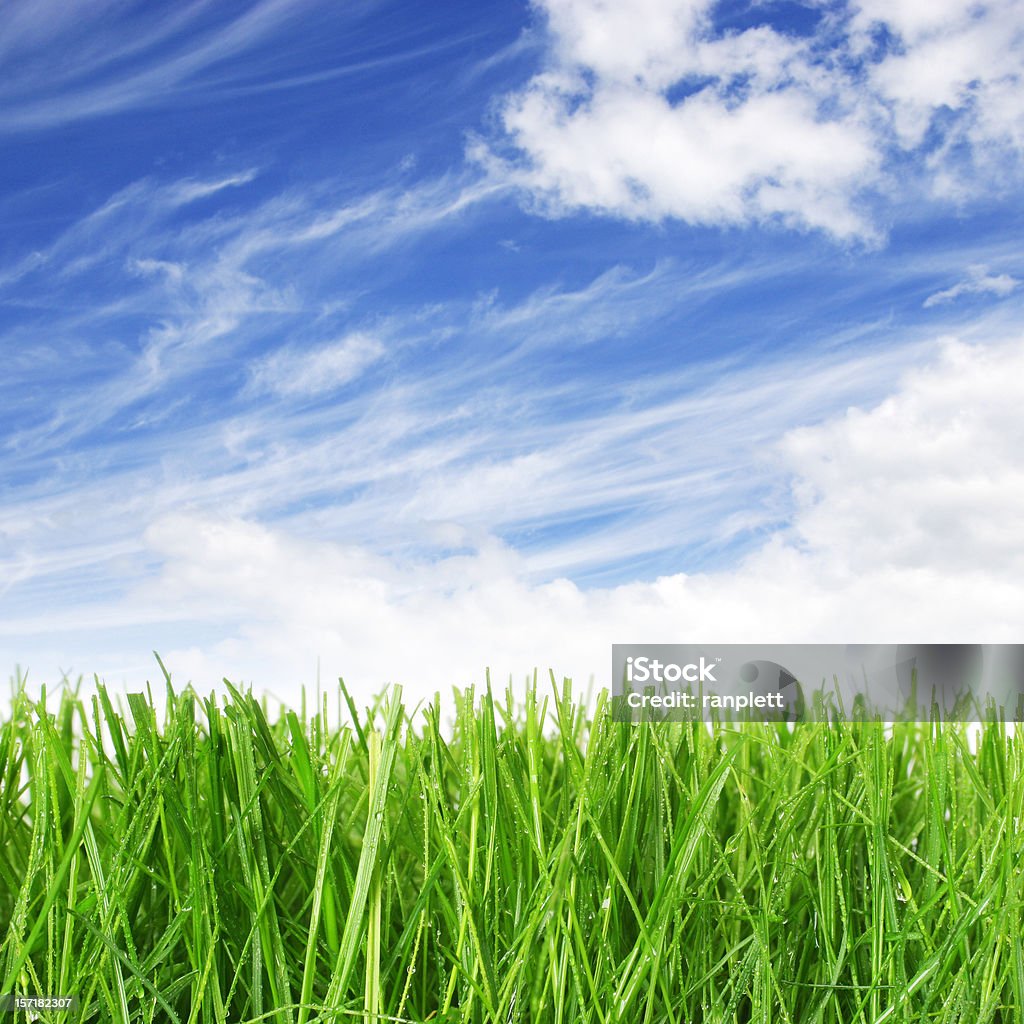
{"x": 956, "y": 69}
{"x": 906, "y": 524}
{"x": 656, "y": 109}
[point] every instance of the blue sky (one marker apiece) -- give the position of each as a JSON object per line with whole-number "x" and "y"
{"x": 420, "y": 340}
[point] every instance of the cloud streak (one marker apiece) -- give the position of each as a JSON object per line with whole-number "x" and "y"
{"x": 123, "y": 62}
{"x": 978, "y": 282}
{"x": 303, "y": 373}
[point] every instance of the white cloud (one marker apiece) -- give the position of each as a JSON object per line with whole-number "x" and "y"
{"x": 929, "y": 481}
{"x": 978, "y": 282}
{"x": 649, "y": 39}
{"x": 190, "y": 191}
{"x": 630, "y": 152}
{"x": 954, "y": 58}
{"x": 208, "y": 289}
{"x": 648, "y": 111}
{"x": 906, "y": 525}
{"x": 748, "y": 143}
{"x": 913, "y": 19}
{"x": 299, "y": 372}
{"x": 173, "y": 273}
{"x": 107, "y": 64}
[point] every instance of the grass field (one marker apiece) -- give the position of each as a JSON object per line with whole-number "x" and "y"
{"x": 480, "y": 861}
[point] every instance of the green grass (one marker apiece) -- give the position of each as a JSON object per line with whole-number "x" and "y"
{"x": 490, "y": 862}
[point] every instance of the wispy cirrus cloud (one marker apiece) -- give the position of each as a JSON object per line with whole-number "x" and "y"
{"x": 317, "y": 370}
{"x": 978, "y": 282}
{"x": 176, "y": 292}
{"x": 119, "y": 56}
